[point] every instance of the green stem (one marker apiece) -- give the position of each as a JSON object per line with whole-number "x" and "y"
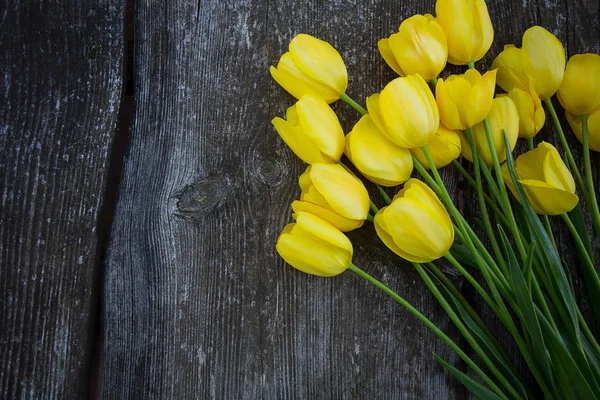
{"x": 502, "y": 187}
{"x": 433, "y": 82}
{"x": 481, "y": 198}
{"x": 465, "y": 332}
{"x": 471, "y": 64}
{"x": 490, "y": 202}
{"x": 593, "y": 204}
{"x": 353, "y": 103}
{"x": 374, "y": 208}
{"x": 383, "y": 194}
{"x": 430, "y": 325}
{"x": 530, "y": 143}
{"x": 546, "y": 223}
{"x": 567, "y": 150}
{"x": 592, "y": 281}
{"x": 370, "y": 218}
{"x": 472, "y": 281}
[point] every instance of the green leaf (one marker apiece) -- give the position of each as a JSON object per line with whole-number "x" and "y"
{"x": 549, "y": 252}
{"x": 463, "y": 255}
{"x": 478, "y": 390}
{"x": 490, "y": 344}
{"x": 576, "y": 216}
{"x": 570, "y": 378}
{"x": 525, "y": 302}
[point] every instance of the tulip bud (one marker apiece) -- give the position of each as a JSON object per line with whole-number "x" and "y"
{"x": 312, "y": 66}
{"x": 593, "y": 128}
{"x": 375, "y": 156}
{"x": 511, "y": 74}
{"x": 465, "y": 100}
{"x": 332, "y": 193}
{"x": 419, "y": 47}
{"x": 579, "y": 92}
{"x": 416, "y": 226}
{"x": 314, "y": 246}
{"x": 503, "y": 115}
{"x": 531, "y": 113}
{"x": 540, "y": 61}
{"x": 312, "y": 131}
{"x": 405, "y": 112}
{"x": 467, "y": 26}
{"x": 443, "y": 148}
{"x": 546, "y": 180}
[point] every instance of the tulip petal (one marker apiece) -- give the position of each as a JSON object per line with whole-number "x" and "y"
{"x": 511, "y": 74}
{"x": 593, "y": 128}
{"x": 298, "y": 142}
{"x": 289, "y": 77}
{"x": 322, "y": 126}
{"x": 376, "y": 156}
{"x": 548, "y": 200}
{"x": 579, "y": 91}
{"x": 448, "y": 108}
{"x": 312, "y": 256}
{"x": 322, "y": 230}
{"x": 341, "y": 223}
{"x": 388, "y": 240}
{"x": 344, "y": 193}
{"x": 386, "y": 52}
{"x": 555, "y": 170}
{"x": 545, "y": 60}
{"x": 320, "y": 61}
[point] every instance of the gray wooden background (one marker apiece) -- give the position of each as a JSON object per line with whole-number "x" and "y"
{"x": 143, "y": 189}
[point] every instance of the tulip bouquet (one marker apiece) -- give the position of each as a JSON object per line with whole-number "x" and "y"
{"x": 424, "y": 122}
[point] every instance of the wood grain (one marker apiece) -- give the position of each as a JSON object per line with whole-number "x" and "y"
{"x": 196, "y": 303}
{"x": 61, "y": 67}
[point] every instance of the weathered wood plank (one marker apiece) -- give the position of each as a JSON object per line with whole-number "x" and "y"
{"x": 61, "y": 81}
{"x": 196, "y": 301}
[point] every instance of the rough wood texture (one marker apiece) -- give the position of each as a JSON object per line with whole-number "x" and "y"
{"x": 196, "y": 301}
{"x": 61, "y": 81}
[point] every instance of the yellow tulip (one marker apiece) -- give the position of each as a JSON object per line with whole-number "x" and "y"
{"x": 419, "y": 47}
{"x": 416, "y": 226}
{"x": 541, "y": 61}
{"x": 312, "y": 131}
{"x": 444, "y": 148}
{"x": 511, "y": 74}
{"x": 465, "y": 100}
{"x": 375, "y": 156}
{"x": 593, "y": 128}
{"x": 332, "y": 193}
{"x": 546, "y": 180}
{"x": 503, "y": 115}
{"x": 405, "y": 112}
{"x": 579, "y": 92}
{"x": 314, "y": 246}
{"x": 467, "y": 26}
{"x": 312, "y": 66}
{"x": 531, "y": 113}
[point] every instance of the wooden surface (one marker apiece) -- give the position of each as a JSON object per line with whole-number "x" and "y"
{"x": 195, "y": 302}
{"x": 60, "y": 88}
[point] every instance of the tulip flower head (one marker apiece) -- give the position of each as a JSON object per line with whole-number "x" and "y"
{"x": 502, "y": 116}
{"x": 593, "y": 128}
{"x": 444, "y": 148}
{"x": 468, "y": 28}
{"x": 540, "y": 61}
{"x": 314, "y": 246}
{"x": 405, "y": 112}
{"x": 531, "y": 113}
{"x": 579, "y": 92}
{"x": 465, "y": 100}
{"x": 419, "y": 47}
{"x": 546, "y": 180}
{"x": 312, "y": 131}
{"x": 332, "y": 193}
{"x": 312, "y": 66}
{"x": 375, "y": 156}
{"x": 416, "y": 226}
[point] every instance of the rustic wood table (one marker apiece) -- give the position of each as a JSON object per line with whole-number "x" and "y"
{"x": 143, "y": 189}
